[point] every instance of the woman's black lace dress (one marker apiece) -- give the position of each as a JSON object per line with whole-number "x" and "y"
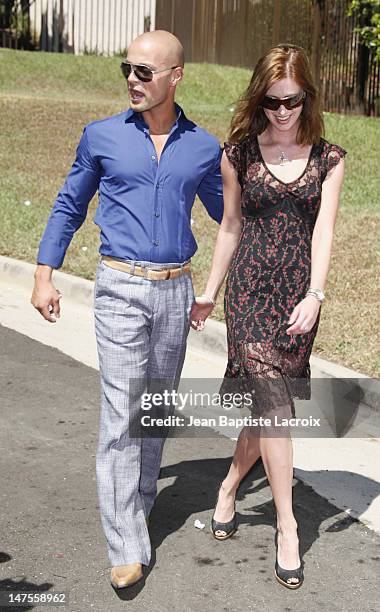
{"x": 270, "y": 273}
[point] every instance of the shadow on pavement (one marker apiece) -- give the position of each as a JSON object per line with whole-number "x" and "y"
{"x": 195, "y": 489}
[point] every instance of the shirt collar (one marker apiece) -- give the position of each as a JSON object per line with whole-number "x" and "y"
{"x": 132, "y": 115}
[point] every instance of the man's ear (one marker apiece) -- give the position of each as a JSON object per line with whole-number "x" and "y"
{"x": 177, "y": 76}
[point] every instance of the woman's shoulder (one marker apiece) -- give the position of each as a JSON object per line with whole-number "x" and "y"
{"x": 240, "y": 145}
{"x": 236, "y": 152}
{"x": 239, "y": 154}
{"x": 328, "y": 149}
{"x": 242, "y": 149}
{"x": 330, "y": 154}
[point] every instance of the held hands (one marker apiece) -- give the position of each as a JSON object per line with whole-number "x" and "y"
{"x": 45, "y": 298}
{"x": 201, "y": 309}
{"x": 304, "y": 315}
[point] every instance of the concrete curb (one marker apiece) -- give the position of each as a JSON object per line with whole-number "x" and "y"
{"x": 73, "y": 287}
{"x": 212, "y": 339}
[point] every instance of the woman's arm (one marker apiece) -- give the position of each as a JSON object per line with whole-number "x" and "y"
{"x": 322, "y": 240}
{"x": 305, "y": 313}
{"x": 225, "y": 246}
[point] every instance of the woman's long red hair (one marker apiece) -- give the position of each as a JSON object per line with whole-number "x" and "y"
{"x": 278, "y": 63}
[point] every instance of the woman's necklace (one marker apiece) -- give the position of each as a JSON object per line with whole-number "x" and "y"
{"x": 283, "y": 157}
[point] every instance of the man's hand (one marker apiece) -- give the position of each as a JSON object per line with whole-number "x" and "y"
{"x": 45, "y": 297}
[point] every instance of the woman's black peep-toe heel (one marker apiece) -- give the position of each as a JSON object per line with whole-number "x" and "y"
{"x": 292, "y": 579}
{"x": 228, "y": 528}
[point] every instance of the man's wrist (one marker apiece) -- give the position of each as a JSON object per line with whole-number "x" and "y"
{"x": 43, "y": 272}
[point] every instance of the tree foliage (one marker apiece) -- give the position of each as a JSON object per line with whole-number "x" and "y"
{"x": 367, "y": 13}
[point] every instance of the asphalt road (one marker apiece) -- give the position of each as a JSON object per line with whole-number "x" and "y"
{"x": 51, "y": 534}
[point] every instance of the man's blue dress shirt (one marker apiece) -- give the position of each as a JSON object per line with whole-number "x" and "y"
{"x": 144, "y": 210}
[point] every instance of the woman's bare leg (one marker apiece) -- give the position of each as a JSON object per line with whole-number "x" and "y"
{"x": 277, "y": 456}
{"x": 246, "y": 454}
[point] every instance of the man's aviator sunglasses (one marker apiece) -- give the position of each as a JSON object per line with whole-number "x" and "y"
{"x": 143, "y": 73}
{"x": 289, "y": 103}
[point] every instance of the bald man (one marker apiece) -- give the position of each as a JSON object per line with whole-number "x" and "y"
{"x": 148, "y": 164}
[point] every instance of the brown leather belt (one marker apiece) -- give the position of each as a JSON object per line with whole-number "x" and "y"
{"x": 164, "y": 274}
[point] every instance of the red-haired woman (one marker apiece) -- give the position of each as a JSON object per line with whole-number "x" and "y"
{"x": 282, "y": 184}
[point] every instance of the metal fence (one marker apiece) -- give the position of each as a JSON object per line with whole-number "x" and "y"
{"x": 77, "y": 26}
{"x": 238, "y": 32}
{"x": 349, "y": 76}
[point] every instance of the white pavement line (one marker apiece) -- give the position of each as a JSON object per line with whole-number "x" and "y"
{"x": 344, "y": 471}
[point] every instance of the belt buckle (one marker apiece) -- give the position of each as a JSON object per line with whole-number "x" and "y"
{"x": 167, "y": 274}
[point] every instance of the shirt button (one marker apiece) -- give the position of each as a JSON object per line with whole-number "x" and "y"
{"x": 158, "y": 186}
{"x": 153, "y": 157}
{"x": 156, "y": 214}
{"x": 155, "y": 242}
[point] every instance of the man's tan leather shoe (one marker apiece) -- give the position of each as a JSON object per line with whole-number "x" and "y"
{"x": 126, "y": 575}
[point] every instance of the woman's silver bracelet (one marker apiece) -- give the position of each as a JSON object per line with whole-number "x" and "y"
{"x": 318, "y": 293}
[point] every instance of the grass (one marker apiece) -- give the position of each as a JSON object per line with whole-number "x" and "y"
{"x": 46, "y": 99}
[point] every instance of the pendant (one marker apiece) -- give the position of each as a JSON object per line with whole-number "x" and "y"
{"x": 283, "y": 158}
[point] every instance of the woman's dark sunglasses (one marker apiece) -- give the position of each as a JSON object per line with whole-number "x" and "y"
{"x": 289, "y": 103}
{"x": 143, "y": 73}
